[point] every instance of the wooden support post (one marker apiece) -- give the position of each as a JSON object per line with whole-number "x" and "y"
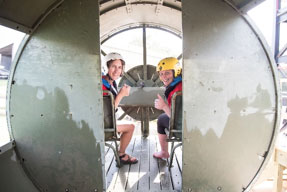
{"x": 281, "y": 165}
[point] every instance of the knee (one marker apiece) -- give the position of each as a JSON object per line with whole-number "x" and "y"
{"x": 162, "y": 123}
{"x": 132, "y": 127}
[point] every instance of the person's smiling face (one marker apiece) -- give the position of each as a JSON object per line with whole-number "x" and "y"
{"x": 115, "y": 69}
{"x": 166, "y": 76}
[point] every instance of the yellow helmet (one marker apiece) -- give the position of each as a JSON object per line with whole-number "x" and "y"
{"x": 169, "y": 63}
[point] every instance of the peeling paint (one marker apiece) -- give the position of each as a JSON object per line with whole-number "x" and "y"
{"x": 40, "y": 94}
{"x": 216, "y": 89}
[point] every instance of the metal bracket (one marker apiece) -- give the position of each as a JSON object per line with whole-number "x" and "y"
{"x": 128, "y": 6}
{"x": 159, "y": 5}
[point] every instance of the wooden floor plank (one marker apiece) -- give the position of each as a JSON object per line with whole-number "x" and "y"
{"x": 109, "y": 157}
{"x": 123, "y": 173}
{"x": 165, "y": 179}
{"x": 133, "y": 177}
{"x": 149, "y": 174}
{"x": 144, "y": 165}
{"x": 153, "y": 165}
{"x": 176, "y": 176}
{"x": 178, "y": 159}
{"x": 111, "y": 170}
{"x": 107, "y": 148}
{"x": 111, "y": 177}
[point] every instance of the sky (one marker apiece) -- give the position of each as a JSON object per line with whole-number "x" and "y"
{"x": 8, "y": 36}
{"x": 263, "y": 16}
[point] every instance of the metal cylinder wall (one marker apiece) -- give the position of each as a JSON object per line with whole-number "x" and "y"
{"x": 55, "y": 104}
{"x": 230, "y": 97}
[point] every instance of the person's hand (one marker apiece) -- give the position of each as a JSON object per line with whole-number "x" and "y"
{"x": 159, "y": 103}
{"x": 125, "y": 90}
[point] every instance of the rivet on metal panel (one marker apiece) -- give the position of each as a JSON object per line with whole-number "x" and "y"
{"x": 189, "y": 189}
{"x": 96, "y": 190}
{"x": 219, "y": 188}
{"x": 67, "y": 190}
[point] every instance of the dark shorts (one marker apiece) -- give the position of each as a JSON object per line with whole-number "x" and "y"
{"x": 162, "y": 123}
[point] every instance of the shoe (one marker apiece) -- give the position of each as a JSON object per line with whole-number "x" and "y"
{"x": 129, "y": 160}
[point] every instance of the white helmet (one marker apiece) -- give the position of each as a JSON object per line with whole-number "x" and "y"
{"x": 113, "y": 56}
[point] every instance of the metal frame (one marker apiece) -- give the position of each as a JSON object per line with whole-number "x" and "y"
{"x": 146, "y": 25}
{"x": 171, "y": 138}
{"x": 143, "y": 26}
{"x": 280, "y": 16}
{"x": 128, "y": 3}
{"x": 113, "y": 129}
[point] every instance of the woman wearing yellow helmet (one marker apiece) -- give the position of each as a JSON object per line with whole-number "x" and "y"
{"x": 170, "y": 74}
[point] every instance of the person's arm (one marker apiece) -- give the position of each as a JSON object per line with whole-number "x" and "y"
{"x": 125, "y": 91}
{"x": 162, "y": 105}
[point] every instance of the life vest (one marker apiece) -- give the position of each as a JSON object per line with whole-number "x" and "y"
{"x": 112, "y": 88}
{"x": 174, "y": 86}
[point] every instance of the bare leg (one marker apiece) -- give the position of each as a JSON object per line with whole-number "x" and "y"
{"x": 126, "y": 131}
{"x": 164, "y": 147}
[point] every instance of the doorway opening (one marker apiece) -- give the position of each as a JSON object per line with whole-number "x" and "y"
{"x": 142, "y": 47}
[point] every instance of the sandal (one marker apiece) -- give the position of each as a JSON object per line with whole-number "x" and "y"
{"x": 127, "y": 161}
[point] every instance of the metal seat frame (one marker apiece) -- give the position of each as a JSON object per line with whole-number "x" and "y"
{"x": 172, "y": 132}
{"x": 111, "y": 132}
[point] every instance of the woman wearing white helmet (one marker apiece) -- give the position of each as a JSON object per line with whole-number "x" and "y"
{"x": 115, "y": 64}
{"x": 170, "y": 74}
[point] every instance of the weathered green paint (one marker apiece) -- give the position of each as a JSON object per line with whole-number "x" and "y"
{"x": 12, "y": 176}
{"x": 230, "y": 100}
{"x": 55, "y": 105}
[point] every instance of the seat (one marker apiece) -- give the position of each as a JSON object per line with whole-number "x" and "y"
{"x": 174, "y": 132}
{"x": 110, "y": 127}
